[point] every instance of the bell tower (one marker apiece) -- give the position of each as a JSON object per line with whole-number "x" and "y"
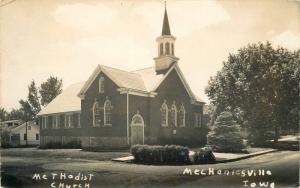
{"x": 166, "y": 47}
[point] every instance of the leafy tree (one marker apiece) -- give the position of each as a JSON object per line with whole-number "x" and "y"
{"x": 210, "y": 112}
{"x": 225, "y": 135}
{"x": 16, "y": 114}
{"x": 5, "y": 136}
{"x": 28, "y": 113}
{"x": 33, "y": 98}
{"x": 3, "y": 114}
{"x": 50, "y": 89}
{"x": 32, "y": 106}
{"x": 260, "y": 86}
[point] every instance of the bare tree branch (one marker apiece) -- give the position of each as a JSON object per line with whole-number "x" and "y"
{"x": 6, "y": 2}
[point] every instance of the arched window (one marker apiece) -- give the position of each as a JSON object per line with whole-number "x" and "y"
{"x": 161, "y": 49}
{"x": 96, "y": 114}
{"x": 172, "y": 48}
{"x": 167, "y": 48}
{"x": 137, "y": 119}
{"x": 182, "y": 116}
{"x": 101, "y": 84}
{"x": 164, "y": 114}
{"x": 198, "y": 120}
{"x": 174, "y": 115}
{"x": 107, "y": 112}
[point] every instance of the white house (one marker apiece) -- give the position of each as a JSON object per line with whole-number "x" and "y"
{"x": 18, "y": 136}
{"x": 9, "y": 123}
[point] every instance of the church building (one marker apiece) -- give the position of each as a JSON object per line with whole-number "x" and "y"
{"x": 115, "y": 109}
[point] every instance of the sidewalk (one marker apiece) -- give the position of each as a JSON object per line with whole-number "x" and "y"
{"x": 230, "y": 157}
{"x": 295, "y": 138}
{"x": 220, "y": 157}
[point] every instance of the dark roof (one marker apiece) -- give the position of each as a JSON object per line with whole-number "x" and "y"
{"x": 166, "y": 28}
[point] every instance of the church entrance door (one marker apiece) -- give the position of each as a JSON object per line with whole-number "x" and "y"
{"x": 137, "y": 129}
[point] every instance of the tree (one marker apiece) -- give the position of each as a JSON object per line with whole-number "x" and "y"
{"x": 260, "y": 86}
{"x": 3, "y": 114}
{"x": 50, "y": 89}
{"x": 26, "y": 109}
{"x": 209, "y": 112}
{"x": 33, "y": 98}
{"x": 32, "y": 106}
{"x": 226, "y": 135}
{"x": 16, "y": 114}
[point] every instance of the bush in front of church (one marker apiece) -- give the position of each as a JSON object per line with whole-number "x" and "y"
{"x": 226, "y": 135}
{"x": 155, "y": 154}
{"x": 74, "y": 144}
{"x": 204, "y": 156}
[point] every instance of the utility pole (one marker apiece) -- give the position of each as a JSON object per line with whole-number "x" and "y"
{"x": 26, "y": 129}
{"x": 127, "y": 127}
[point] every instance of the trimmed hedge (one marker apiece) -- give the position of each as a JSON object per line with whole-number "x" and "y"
{"x": 6, "y": 145}
{"x": 160, "y": 154}
{"x": 204, "y": 156}
{"x": 75, "y": 144}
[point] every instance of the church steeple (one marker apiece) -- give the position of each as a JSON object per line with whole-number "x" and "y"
{"x": 166, "y": 56}
{"x": 166, "y": 28}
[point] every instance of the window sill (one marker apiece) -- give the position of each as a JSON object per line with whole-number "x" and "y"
{"x": 107, "y": 125}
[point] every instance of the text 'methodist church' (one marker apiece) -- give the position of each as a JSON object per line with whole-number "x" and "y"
{"x": 116, "y": 108}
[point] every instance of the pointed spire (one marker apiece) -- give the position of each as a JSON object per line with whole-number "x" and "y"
{"x": 166, "y": 28}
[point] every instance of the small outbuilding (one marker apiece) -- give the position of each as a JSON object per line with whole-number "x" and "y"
{"x": 21, "y": 135}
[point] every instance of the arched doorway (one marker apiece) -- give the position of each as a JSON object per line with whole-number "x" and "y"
{"x": 137, "y": 129}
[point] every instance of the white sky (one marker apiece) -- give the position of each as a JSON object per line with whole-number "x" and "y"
{"x": 68, "y": 38}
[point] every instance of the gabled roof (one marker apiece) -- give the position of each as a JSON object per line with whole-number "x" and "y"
{"x": 183, "y": 80}
{"x": 67, "y": 101}
{"x": 11, "y": 121}
{"x": 29, "y": 123}
{"x": 149, "y": 77}
{"x": 143, "y": 80}
{"x": 121, "y": 78}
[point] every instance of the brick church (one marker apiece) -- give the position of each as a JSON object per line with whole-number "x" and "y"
{"x": 116, "y": 108}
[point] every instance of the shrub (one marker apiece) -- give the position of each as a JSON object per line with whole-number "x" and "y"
{"x": 260, "y": 137}
{"x": 74, "y": 144}
{"x": 6, "y": 145}
{"x": 53, "y": 145}
{"x": 160, "y": 154}
{"x": 226, "y": 135}
{"x": 135, "y": 153}
{"x": 205, "y": 155}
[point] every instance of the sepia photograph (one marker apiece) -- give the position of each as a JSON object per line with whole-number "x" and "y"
{"x": 150, "y": 93}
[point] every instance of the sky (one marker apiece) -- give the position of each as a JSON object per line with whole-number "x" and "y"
{"x": 69, "y": 38}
